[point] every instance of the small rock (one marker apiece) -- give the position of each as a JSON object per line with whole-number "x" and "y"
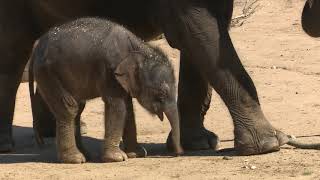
{"x": 253, "y": 167}
{"x": 245, "y": 167}
{"x": 227, "y": 158}
{"x": 274, "y": 67}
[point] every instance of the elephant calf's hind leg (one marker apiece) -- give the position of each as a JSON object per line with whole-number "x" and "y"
{"x": 66, "y": 143}
{"x": 65, "y": 109}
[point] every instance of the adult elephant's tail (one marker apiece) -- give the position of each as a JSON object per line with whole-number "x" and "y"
{"x": 310, "y": 18}
{"x": 34, "y": 55}
{"x": 293, "y": 142}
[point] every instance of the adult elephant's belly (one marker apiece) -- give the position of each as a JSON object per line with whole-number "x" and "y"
{"x": 135, "y": 15}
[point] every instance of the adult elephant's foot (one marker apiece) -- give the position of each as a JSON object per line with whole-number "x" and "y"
{"x": 114, "y": 154}
{"x": 258, "y": 140}
{"x": 6, "y": 144}
{"x": 74, "y": 157}
{"x": 137, "y": 151}
{"x": 196, "y": 139}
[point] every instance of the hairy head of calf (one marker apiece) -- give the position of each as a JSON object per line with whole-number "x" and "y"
{"x": 148, "y": 76}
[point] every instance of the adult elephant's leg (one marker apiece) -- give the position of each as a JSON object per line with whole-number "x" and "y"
{"x": 46, "y": 124}
{"x": 205, "y": 38}
{"x": 9, "y": 82}
{"x": 253, "y": 132}
{"x": 194, "y": 101}
{"x": 15, "y": 46}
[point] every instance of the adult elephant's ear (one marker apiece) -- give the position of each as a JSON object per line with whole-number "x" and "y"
{"x": 127, "y": 75}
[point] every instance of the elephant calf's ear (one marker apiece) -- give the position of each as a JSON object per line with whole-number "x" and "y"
{"x": 126, "y": 75}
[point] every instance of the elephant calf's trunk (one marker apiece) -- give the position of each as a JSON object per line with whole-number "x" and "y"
{"x": 173, "y": 117}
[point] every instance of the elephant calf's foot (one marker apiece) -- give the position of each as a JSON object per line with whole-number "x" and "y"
{"x": 136, "y": 152}
{"x": 6, "y": 144}
{"x": 259, "y": 140}
{"x": 74, "y": 157}
{"x": 114, "y": 154}
{"x": 196, "y": 139}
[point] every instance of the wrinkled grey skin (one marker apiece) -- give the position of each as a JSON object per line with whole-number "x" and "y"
{"x": 311, "y": 18}
{"x": 90, "y": 58}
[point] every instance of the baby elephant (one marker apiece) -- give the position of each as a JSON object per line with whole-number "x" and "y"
{"x": 89, "y": 58}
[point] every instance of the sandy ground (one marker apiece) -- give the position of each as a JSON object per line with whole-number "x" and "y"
{"x": 285, "y": 66}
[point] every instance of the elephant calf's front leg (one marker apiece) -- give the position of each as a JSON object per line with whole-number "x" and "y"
{"x": 131, "y": 146}
{"x": 115, "y": 115}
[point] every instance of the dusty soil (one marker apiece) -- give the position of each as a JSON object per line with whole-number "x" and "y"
{"x": 285, "y": 66}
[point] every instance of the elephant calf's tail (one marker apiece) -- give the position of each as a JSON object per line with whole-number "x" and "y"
{"x": 293, "y": 142}
{"x": 35, "y": 123}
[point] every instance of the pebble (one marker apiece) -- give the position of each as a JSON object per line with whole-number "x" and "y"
{"x": 227, "y": 158}
{"x": 249, "y": 167}
{"x": 253, "y": 167}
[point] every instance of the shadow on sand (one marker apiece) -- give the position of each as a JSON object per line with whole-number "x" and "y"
{"x": 26, "y": 149}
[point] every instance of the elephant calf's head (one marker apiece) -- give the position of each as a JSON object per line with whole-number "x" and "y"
{"x": 148, "y": 76}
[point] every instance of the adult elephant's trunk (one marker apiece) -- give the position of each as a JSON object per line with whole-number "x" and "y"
{"x": 311, "y": 18}
{"x": 173, "y": 117}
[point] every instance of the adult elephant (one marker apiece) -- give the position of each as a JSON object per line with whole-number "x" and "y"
{"x": 311, "y": 18}
{"x": 198, "y": 28}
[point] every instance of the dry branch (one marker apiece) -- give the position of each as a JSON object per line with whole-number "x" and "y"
{"x": 249, "y": 9}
